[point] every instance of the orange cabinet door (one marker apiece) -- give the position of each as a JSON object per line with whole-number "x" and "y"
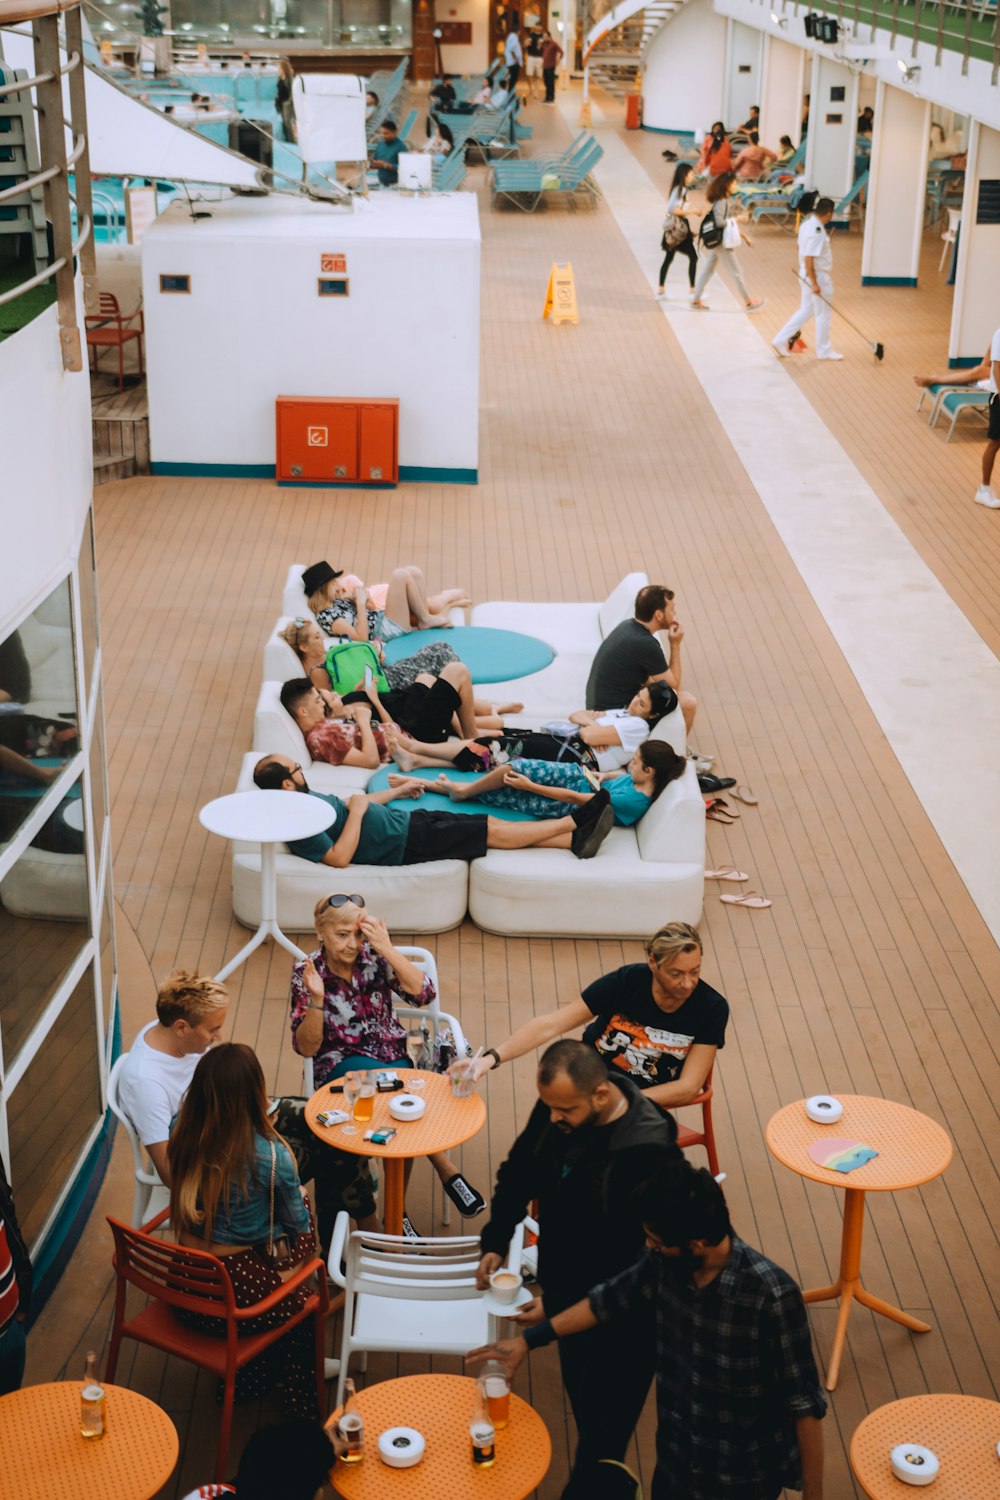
{"x": 317, "y": 441}
{"x": 377, "y": 443}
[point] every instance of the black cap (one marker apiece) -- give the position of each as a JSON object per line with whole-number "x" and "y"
{"x": 316, "y": 575}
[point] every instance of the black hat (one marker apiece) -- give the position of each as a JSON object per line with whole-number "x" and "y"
{"x": 316, "y": 575}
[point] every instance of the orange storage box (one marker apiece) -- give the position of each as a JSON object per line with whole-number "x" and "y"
{"x": 633, "y": 111}
{"x": 337, "y": 440}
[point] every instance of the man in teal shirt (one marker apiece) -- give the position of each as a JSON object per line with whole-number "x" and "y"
{"x": 370, "y": 832}
{"x": 385, "y": 157}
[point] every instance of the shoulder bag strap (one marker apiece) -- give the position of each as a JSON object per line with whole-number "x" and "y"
{"x": 270, "y": 1225}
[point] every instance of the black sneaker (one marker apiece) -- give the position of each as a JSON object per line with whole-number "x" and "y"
{"x": 466, "y": 1199}
{"x": 409, "y": 1233}
{"x": 588, "y": 839}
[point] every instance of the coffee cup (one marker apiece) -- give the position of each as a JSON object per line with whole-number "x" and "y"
{"x": 505, "y": 1284}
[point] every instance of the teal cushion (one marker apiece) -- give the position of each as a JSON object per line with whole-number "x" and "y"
{"x": 435, "y": 802}
{"x": 490, "y": 655}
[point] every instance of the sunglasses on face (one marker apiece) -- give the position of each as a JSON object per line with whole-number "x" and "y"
{"x": 337, "y": 901}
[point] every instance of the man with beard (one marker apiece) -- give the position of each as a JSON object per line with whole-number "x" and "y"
{"x": 738, "y": 1397}
{"x": 588, "y": 1144}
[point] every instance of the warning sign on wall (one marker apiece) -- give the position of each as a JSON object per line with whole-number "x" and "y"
{"x": 317, "y": 437}
{"x": 332, "y": 264}
{"x": 560, "y": 299}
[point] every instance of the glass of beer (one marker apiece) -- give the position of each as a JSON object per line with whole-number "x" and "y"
{"x": 365, "y": 1106}
{"x": 493, "y": 1376}
{"x": 415, "y": 1052}
{"x": 352, "y": 1088}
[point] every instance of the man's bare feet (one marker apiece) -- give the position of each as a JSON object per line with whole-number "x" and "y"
{"x": 413, "y": 786}
{"x": 508, "y": 708}
{"x": 447, "y": 788}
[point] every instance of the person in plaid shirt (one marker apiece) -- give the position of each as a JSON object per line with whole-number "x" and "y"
{"x": 738, "y": 1397}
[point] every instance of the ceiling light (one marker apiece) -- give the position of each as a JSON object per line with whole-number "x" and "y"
{"x": 910, "y": 73}
{"x": 780, "y": 21}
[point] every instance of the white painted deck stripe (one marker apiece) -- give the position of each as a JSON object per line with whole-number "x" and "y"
{"x": 932, "y": 682}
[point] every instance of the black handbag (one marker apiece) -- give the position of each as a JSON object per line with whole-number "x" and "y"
{"x": 710, "y": 232}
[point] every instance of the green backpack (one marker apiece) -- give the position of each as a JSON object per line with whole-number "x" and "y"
{"x": 346, "y": 663}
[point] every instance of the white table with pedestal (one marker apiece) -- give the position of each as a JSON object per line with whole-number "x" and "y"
{"x": 269, "y": 819}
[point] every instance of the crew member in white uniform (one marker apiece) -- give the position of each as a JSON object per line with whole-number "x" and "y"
{"x": 816, "y": 274}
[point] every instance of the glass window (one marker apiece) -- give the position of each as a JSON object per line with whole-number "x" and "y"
{"x": 98, "y": 777}
{"x": 54, "y": 1108}
{"x": 38, "y": 707}
{"x": 107, "y": 952}
{"x": 88, "y": 600}
{"x": 43, "y": 920}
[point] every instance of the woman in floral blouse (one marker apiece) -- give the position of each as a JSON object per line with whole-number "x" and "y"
{"x": 342, "y": 1009}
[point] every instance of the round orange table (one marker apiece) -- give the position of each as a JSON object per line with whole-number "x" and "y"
{"x": 911, "y": 1149}
{"x": 43, "y": 1453}
{"x": 446, "y": 1122}
{"x": 963, "y": 1431}
{"x": 441, "y": 1408}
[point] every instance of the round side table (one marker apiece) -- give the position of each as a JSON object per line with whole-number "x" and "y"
{"x": 963, "y": 1431}
{"x": 267, "y": 819}
{"x": 441, "y": 1408}
{"x": 911, "y": 1149}
{"x": 44, "y": 1454}
{"x": 446, "y": 1122}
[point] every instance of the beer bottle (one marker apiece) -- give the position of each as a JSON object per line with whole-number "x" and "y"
{"x": 93, "y": 1410}
{"x": 481, "y": 1432}
{"x": 351, "y": 1427}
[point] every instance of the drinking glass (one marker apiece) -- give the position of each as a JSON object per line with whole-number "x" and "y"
{"x": 462, "y": 1082}
{"x": 352, "y": 1088}
{"x": 493, "y": 1377}
{"x": 415, "y": 1052}
{"x": 365, "y": 1106}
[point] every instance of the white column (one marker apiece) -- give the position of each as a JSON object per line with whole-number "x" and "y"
{"x": 782, "y": 89}
{"x": 684, "y": 82}
{"x": 894, "y": 210}
{"x": 833, "y": 119}
{"x": 744, "y": 45}
{"x": 974, "y": 316}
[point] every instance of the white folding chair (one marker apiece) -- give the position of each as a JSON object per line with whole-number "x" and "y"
{"x": 405, "y": 1296}
{"x": 151, "y": 1194}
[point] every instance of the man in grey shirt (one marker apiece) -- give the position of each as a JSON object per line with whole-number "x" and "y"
{"x": 631, "y": 656}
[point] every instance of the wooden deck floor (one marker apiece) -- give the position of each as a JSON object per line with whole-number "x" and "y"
{"x": 871, "y": 972}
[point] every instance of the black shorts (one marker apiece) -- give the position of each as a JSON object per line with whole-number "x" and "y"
{"x": 425, "y": 712}
{"x": 994, "y": 432}
{"x": 445, "y": 835}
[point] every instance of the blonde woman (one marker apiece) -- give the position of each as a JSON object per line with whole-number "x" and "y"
{"x": 342, "y": 1010}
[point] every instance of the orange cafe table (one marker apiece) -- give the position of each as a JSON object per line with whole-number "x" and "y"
{"x": 961, "y": 1431}
{"x": 911, "y": 1149}
{"x": 445, "y": 1123}
{"x": 43, "y": 1455}
{"x": 441, "y": 1408}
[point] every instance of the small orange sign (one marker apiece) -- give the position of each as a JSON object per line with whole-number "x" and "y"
{"x": 333, "y": 265}
{"x": 317, "y": 437}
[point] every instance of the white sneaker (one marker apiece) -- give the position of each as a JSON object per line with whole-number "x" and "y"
{"x": 780, "y": 349}
{"x": 661, "y": 295}
{"x": 985, "y": 496}
{"x": 832, "y": 355}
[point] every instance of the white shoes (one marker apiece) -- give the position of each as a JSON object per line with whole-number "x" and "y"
{"x": 832, "y": 355}
{"x": 661, "y": 295}
{"x": 781, "y": 349}
{"x": 985, "y": 496}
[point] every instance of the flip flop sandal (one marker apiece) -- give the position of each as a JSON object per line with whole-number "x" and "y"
{"x": 466, "y": 1199}
{"x": 745, "y": 795}
{"x": 719, "y": 804}
{"x": 727, "y": 872}
{"x": 716, "y": 815}
{"x": 709, "y": 783}
{"x": 753, "y": 899}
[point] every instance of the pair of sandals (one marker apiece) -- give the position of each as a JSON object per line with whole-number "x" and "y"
{"x": 720, "y": 812}
{"x": 717, "y": 808}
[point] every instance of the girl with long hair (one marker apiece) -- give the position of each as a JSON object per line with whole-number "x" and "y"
{"x": 222, "y": 1152}
{"x": 724, "y": 211}
{"x": 716, "y": 152}
{"x": 677, "y": 238}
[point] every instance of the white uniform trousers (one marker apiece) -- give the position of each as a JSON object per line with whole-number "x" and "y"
{"x": 811, "y": 306}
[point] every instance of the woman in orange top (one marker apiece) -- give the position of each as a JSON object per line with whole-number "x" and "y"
{"x": 716, "y": 152}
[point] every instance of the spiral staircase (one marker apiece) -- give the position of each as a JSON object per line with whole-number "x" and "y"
{"x": 617, "y": 40}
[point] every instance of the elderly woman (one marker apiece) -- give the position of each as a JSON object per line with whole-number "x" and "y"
{"x": 307, "y": 641}
{"x": 657, "y": 1022}
{"x": 224, "y": 1155}
{"x": 342, "y": 1009}
{"x": 344, "y": 606}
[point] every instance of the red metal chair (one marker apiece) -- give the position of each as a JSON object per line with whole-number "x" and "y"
{"x": 102, "y": 335}
{"x": 175, "y": 1277}
{"x": 706, "y": 1136}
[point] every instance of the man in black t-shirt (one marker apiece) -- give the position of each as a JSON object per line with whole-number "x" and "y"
{"x": 631, "y": 656}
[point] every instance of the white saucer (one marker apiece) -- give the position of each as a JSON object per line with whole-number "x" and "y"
{"x": 504, "y": 1309}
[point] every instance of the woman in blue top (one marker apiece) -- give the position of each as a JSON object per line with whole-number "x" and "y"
{"x": 543, "y": 787}
{"x": 222, "y": 1152}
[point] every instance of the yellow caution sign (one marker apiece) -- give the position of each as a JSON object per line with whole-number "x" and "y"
{"x": 560, "y": 299}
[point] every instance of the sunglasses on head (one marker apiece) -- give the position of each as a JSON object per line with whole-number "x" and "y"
{"x": 299, "y": 621}
{"x": 336, "y": 901}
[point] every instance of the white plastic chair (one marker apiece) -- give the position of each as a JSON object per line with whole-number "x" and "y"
{"x": 437, "y": 1020}
{"x": 950, "y": 234}
{"x": 151, "y": 1194}
{"x": 407, "y": 1296}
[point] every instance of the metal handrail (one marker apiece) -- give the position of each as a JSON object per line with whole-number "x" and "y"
{"x": 73, "y": 61}
{"x": 50, "y": 271}
{"x": 40, "y": 178}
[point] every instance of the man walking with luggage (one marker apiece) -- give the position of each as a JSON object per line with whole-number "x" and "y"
{"x": 816, "y": 276}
